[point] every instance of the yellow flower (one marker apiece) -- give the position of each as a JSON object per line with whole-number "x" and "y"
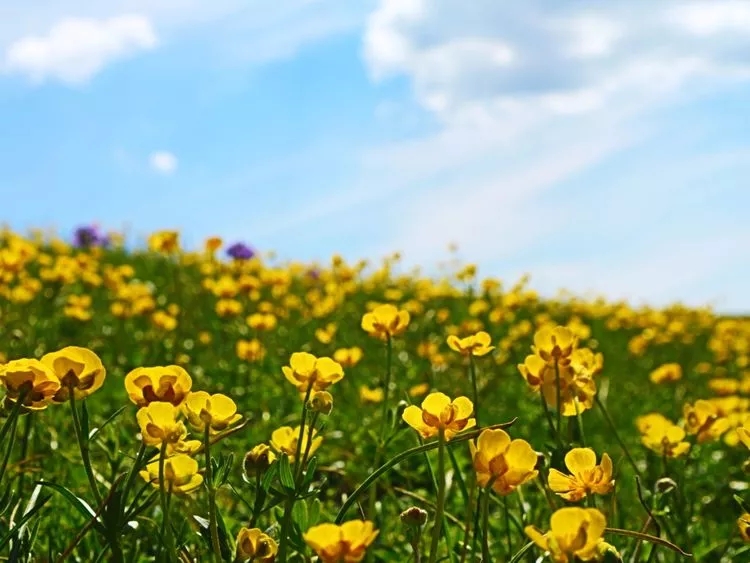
{"x": 204, "y": 337}
{"x": 648, "y": 420}
{"x": 554, "y": 344}
{"x": 262, "y": 321}
{"x": 665, "y": 438}
{"x": 478, "y": 344}
{"x": 164, "y": 320}
{"x": 306, "y": 370}
{"x": 228, "y": 307}
{"x": 32, "y": 378}
{"x": 367, "y": 395}
{"x": 743, "y": 523}
{"x": 744, "y": 432}
{"x": 159, "y": 423}
{"x": 666, "y": 373}
{"x": 254, "y": 545}
{"x": 535, "y": 371}
{"x": 385, "y": 321}
{"x": 325, "y": 335}
{"x": 164, "y": 241}
{"x": 284, "y": 440}
{"x": 348, "y": 357}
{"x": 320, "y": 402}
{"x": 574, "y": 533}
{"x": 77, "y": 368}
{"x": 170, "y": 384}
{"x": 508, "y": 463}
{"x": 419, "y": 390}
{"x": 180, "y": 473}
{"x": 213, "y": 244}
{"x": 439, "y": 412}
{"x": 703, "y": 420}
{"x": 250, "y": 350}
{"x": 346, "y": 543}
{"x": 586, "y": 477}
{"x": 258, "y": 459}
{"x": 217, "y": 411}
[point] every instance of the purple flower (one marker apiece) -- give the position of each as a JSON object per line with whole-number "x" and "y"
{"x": 89, "y": 236}
{"x": 240, "y": 251}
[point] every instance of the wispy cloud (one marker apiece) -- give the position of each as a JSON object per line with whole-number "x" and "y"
{"x": 75, "y": 49}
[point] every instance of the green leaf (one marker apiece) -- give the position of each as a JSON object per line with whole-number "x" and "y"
{"x": 78, "y": 503}
{"x": 313, "y": 511}
{"x": 28, "y": 515}
{"x": 112, "y": 418}
{"x": 310, "y": 472}
{"x": 285, "y": 474}
{"x": 299, "y": 514}
{"x": 269, "y": 476}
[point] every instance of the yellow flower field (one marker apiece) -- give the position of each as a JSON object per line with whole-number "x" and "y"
{"x": 165, "y": 405}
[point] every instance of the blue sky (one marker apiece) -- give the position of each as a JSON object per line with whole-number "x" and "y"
{"x": 601, "y": 147}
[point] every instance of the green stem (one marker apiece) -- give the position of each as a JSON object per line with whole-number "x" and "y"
{"x": 548, "y": 416}
{"x": 163, "y": 491}
{"x": 579, "y": 419}
{"x": 613, "y": 428}
{"x": 559, "y": 399}
{"x": 508, "y": 539}
{"x": 83, "y": 445}
{"x": 212, "y": 522}
{"x": 286, "y": 522}
{"x": 386, "y": 387}
{"x": 401, "y": 456}
{"x": 486, "y": 523}
{"x": 468, "y": 519}
{"x": 133, "y": 471}
{"x": 27, "y": 426}
{"x": 440, "y": 506}
{"x": 308, "y": 445}
{"x": 473, "y": 376}
{"x": 9, "y": 450}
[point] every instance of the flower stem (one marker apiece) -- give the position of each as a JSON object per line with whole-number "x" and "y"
{"x": 613, "y": 428}
{"x": 559, "y": 399}
{"x": 473, "y": 376}
{"x": 386, "y": 387}
{"x": 212, "y": 523}
{"x": 508, "y": 539}
{"x": 548, "y": 416}
{"x": 486, "y": 523}
{"x": 83, "y": 445}
{"x": 286, "y": 522}
{"x": 10, "y": 443}
{"x": 468, "y": 520}
{"x": 163, "y": 491}
{"x": 579, "y": 419}
{"x": 440, "y": 505}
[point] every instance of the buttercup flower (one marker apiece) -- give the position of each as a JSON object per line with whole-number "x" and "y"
{"x": 254, "y": 545}
{"x": 159, "y": 423}
{"x": 320, "y": 402}
{"x": 217, "y": 411}
{"x": 574, "y": 533}
{"x": 666, "y": 373}
{"x": 586, "y": 477}
{"x": 439, "y": 412}
{"x": 306, "y": 370}
{"x": 258, "y": 459}
{"x": 31, "y": 378}
{"x": 508, "y": 463}
{"x": 478, "y": 344}
{"x": 180, "y": 473}
{"x": 666, "y": 439}
{"x": 346, "y": 543}
{"x": 170, "y": 384}
{"x": 743, "y": 523}
{"x": 648, "y": 420}
{"x": 554, "y": 344}
{"x": 535, "y": 371}
{"x": 164, "y": 241}
{"x": 348, "y": 357}
{"x": 385, "y": 321}
{"x": 367, "y": 395}
{"x": 744, "y": 432}
{"x": 284, "y": 440}
{"x": 703, "y": 420}
{"x": 77, "y": 368}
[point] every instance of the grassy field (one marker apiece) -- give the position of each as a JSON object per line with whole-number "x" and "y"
{"x": 105, "y": 461}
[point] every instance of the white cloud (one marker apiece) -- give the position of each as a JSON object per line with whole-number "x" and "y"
{"x": 163, "y": 162}
{"x": 711, "y": 17}
{"x": 75, "y": 49}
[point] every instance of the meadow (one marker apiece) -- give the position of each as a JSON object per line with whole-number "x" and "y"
{"x": 217, "y": 405}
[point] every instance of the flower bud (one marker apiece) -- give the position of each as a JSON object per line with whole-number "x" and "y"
{"x": 608, "y": 553}
{"x": 665, "y": 485}
{"x": 746, "y": 466}
{"x": 321, "y": 402}
{"x": 413, "y": 517}
{"x": 258, "y": 460}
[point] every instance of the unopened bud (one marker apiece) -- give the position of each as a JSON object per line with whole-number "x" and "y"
{"x": 258, "y": 460}
{"x": 746, "y": 466}
{"x": 665, "y": 485}
{"x": 321, "y": 402}
{"x": 414, "y": 517}
{"x": 608, "y": 553}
